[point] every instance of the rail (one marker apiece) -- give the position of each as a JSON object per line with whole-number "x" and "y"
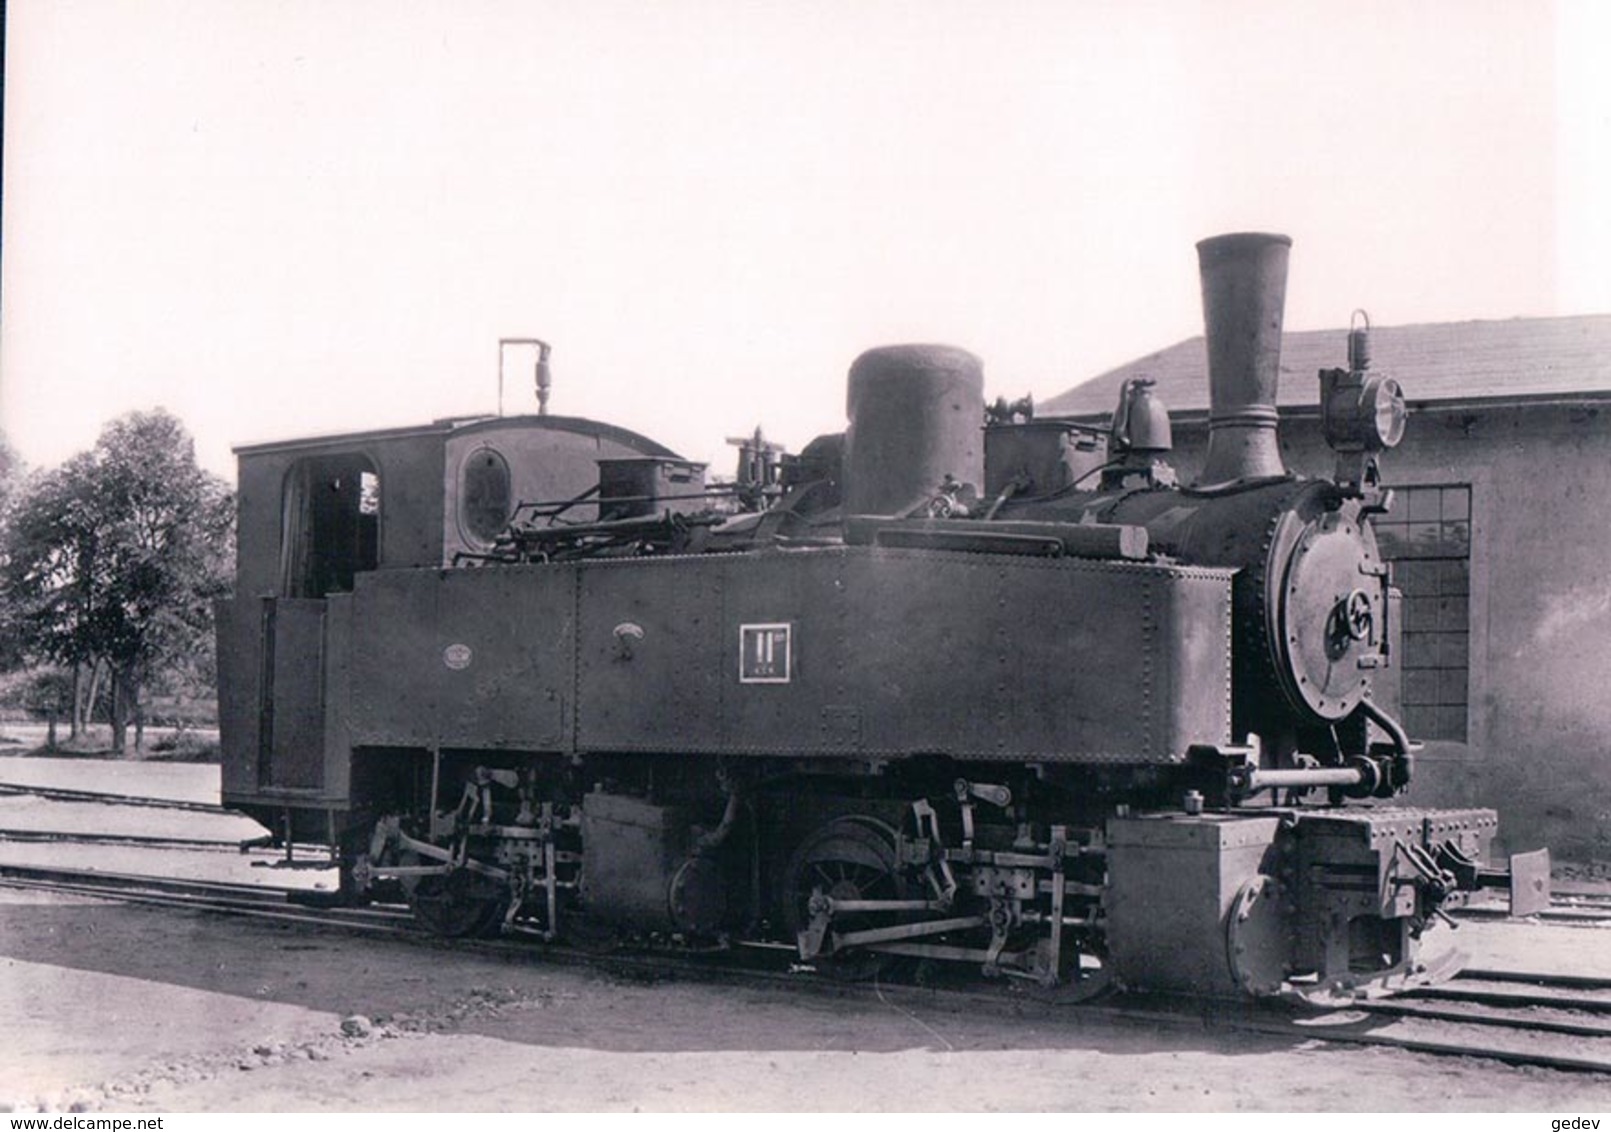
{"x": 1521, "y": 1037}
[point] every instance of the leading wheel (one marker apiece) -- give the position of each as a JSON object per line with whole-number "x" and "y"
{"x": 849, "y": 858}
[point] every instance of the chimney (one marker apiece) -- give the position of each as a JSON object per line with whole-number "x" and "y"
{"x": 1244, "y": 292}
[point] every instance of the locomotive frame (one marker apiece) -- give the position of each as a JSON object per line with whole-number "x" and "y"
{"x": 919, "y": 693}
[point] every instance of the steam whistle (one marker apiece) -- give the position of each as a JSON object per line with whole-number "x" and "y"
{"x": 760, "y": 464}
{"x": 1140, "y": 437}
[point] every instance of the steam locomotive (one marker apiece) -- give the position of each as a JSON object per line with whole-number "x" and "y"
{"x": 960, "y": 685}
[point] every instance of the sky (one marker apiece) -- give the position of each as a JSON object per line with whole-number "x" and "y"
{"x": 280, "y": 218}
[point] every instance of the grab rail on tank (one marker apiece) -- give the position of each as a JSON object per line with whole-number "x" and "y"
{"x": 1081, "y": 540}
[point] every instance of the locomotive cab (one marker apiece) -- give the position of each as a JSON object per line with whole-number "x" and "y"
{"x": 322, "y": 523}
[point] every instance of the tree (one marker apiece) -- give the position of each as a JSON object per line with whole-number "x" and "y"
{"x": 10, "y": 469}
{"x": 113, "y": 560}
{"x": 51, "y": 578}
{"x": 10, "y": 472}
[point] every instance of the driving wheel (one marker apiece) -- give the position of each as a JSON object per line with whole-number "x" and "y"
{"x": 460, "y": 903}
{"x": 849, "y": 858}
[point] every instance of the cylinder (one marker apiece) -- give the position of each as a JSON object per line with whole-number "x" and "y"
{"x": 1244, "y": 293}
{"x": 916, "y": 419}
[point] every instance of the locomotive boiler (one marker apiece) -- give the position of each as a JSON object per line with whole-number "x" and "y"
{"x": 959, "y": 685}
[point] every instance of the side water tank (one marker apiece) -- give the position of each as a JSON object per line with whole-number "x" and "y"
{"x": 916, "y": 417}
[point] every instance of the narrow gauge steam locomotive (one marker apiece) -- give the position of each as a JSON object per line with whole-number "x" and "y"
{"x": 956, "y": 684}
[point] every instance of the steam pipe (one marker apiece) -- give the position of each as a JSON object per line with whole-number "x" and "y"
{"x": 544, "y": 376}
{"x": 1258, "y": 779}
{"x": 1244, "y": 276}
{"x": 1395, "y": 730}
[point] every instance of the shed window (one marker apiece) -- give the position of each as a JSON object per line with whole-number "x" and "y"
{"x": 484, "y": 496}
{"x": 330, "y": 524}
{"x": 1427, "y": 538}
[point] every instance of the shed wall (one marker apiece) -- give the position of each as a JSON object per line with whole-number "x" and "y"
{"x": 1538, "y": 719}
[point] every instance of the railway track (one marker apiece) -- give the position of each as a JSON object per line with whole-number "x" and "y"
{"x": 1517, "y": 1018}
{"x": 258, "y": 902}
{"x": 125, "y": 838}
{"x": 306, "y": 856}
{"x": 143, "y": 841}
{"x": 1574, "y": 910}
{"x": 1566, "y": 910}
{"x": 61, "y": 794}
{"x": 1589, "y": 909}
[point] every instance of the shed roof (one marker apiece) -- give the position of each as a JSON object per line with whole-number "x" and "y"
{"x": 1510, "y": 359}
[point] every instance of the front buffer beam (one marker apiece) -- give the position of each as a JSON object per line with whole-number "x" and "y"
{"x": 1319, "y": 904}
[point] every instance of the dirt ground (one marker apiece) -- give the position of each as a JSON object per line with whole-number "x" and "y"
{"x": 113, "y": 1007}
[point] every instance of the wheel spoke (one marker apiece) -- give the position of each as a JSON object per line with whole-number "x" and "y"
{"x": 458, "y": 904}
{"x": 848, "y": 859}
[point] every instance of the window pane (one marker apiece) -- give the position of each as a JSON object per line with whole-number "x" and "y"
{"x": 1392, "y": 542}
{"x": 1456, "y": 539}
{"x": 1420, "y": 720}
{"x": 1422, "y": 504}
{"x": 1416, "y": 577}
{"x": 484, "y": 500}
{"x": 1453, "y": 577}
{"x": 1420, "y": 650}
{"x": 1421, "y": 686}
{"x": 1452, "y": 613}
{"x": 1420, "y": 613}
{"x": 1451, "y": 686}
{"x": 368, "y": 493}
{"x": 1428, "y": 543}
{"x": 1456, "y": 503}
{"x": 1426, "y": 540}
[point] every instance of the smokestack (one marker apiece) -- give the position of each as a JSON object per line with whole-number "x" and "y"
{"x": 1244, "y": 292}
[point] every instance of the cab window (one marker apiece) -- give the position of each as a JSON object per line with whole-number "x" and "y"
{"x": 484, "y": 496}
{"x": 330, "y": 525}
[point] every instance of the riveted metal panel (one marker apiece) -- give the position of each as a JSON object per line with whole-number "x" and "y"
{"x": 291, "y": 737}
{"x": 649, "y": 656}
{"x": 337, "y": 682}
{"x": 817, "y": 710}
{"x": 1171, "y": 882}
{"x": 982, "y": 656}
{"x": 896, "y": 652}
{"x": 240, "y": 671}
{"x": 462, "y": 658}
{"x": 395, "y": 654}
{"x": 502, "y": 661}
{"x": 1360, "y": 831}
{"x": 1191, "y": 663}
